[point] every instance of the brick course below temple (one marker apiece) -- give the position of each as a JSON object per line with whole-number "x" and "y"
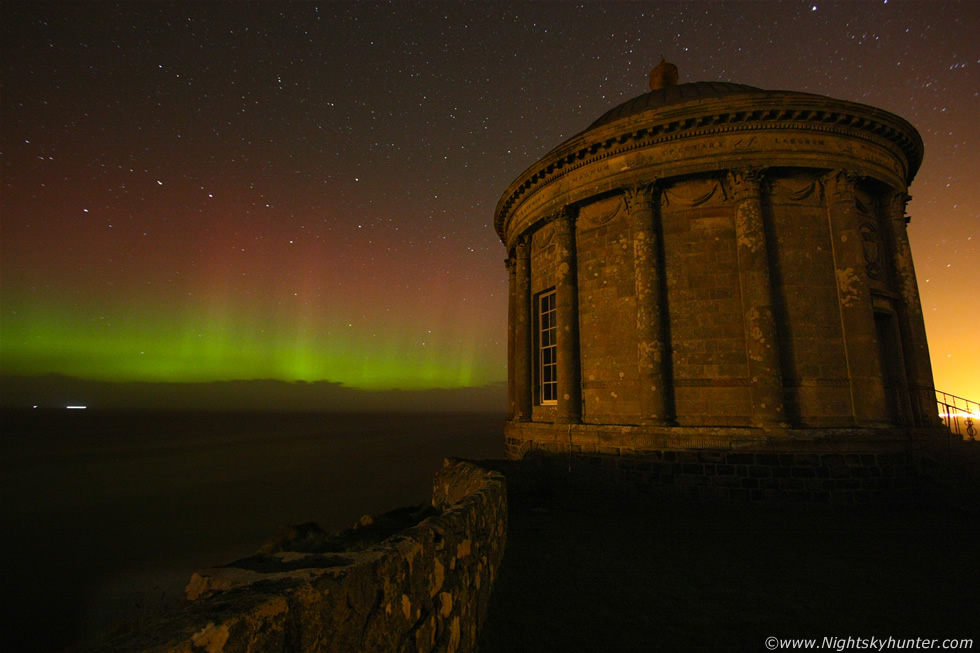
{"x": 724, "y": 465}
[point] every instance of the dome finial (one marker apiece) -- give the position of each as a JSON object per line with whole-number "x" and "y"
{"x": 665, "y": 74}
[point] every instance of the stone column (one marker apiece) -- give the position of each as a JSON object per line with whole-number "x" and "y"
{"x": 521, "y": 301}
{"x": 868, "y": 401}
{"x": 651, "y": 313}
{"x": 915, "y": 348}
{"x": 761, "y": 336}
{"x": 566, "y": 314}
{"x": 509, "y": 262}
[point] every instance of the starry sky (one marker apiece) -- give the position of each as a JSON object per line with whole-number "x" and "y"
{"x": 219, "y": 191}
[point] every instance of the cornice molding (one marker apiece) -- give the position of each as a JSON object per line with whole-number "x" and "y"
{"x": 729, "y": 115}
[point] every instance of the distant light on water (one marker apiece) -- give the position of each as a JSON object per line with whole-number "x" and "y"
{"x": 76, "y": 407}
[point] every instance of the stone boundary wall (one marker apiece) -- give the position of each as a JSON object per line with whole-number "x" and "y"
{"x": 424, "y": 589}
{"x": 840, "y": 468}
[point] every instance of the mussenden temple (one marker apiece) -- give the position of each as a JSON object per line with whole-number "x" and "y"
{"x": 720, "y": 275}
{"x": 711, "y": 297}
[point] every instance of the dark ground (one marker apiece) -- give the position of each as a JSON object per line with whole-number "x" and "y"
{"x": 587, "y": 571}
{"x": 105, "y": 515}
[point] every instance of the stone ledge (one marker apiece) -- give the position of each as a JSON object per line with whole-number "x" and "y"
{"x": 426, "y": 588}
{"x": 522, "y": 437}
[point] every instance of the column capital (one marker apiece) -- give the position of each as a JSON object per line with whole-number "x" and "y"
{"x": 897, "y": 202}
{"x": 639, "y": 195}
{"x": 744, "y": 183}
{"x": 564, "y": 220}
{"x": 511, "y": 264}
{"x": 522, "y": 248}
{"x": 840, "y": 185}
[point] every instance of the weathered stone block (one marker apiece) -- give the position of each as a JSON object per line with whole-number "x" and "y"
{"x": 767, "y": 459}
{"x": 726, "y": 482}
{"x": 807, "y": 459}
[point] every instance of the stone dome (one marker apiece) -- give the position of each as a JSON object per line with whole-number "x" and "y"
{"x": 674, "y": 95}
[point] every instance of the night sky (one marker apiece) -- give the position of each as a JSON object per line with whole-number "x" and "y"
{"x": 305, "y": 191}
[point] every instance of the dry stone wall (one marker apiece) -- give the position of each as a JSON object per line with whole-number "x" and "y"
{"x": 425, "y": 589}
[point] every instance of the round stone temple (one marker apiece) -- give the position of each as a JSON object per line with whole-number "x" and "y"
{"x": 710, "y": 265}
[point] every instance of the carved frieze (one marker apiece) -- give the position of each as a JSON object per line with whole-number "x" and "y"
{"x": 870, "y": 153}
{"x": 541, "y": 239}
{"x": 599, "y": 213}
{"x": 795, "y": 190}
{"x": 691, "y": 193}
{"x": 884, "y": 146}
{"x": 600, "y": 172}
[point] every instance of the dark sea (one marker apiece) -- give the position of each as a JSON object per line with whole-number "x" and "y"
{"x": 106, "y": 515}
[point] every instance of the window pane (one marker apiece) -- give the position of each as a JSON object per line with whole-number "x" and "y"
{"x": 547, "y": 372}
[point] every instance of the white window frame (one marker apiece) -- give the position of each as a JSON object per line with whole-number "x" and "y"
{"x": 547, "y": 348}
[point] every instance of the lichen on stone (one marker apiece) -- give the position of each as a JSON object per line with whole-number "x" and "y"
{"x": 847, "y": 281}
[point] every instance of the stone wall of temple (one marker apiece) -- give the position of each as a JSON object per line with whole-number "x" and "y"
{"x": 722, "y": 257}
{"x": 607, "y": 312}
{"x": 819, "y": 324}
{"x": 706, "y": 324}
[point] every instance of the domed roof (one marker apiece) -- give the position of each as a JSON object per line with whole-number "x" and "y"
{"x": 674, "y": 94}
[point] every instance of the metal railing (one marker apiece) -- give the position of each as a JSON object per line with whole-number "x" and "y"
{"x": 959, "y": 415}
